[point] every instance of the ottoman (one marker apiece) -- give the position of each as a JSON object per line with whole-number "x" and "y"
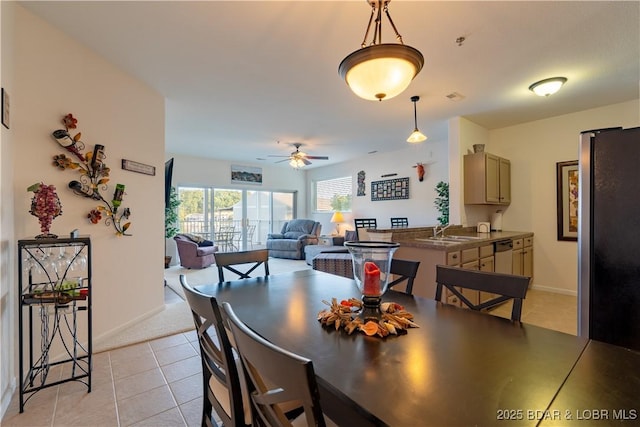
{"x": 334, "y": 263}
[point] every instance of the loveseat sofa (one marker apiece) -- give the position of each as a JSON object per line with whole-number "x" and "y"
{"x": 193, "y": 253}
{"x": 292, "y": 239}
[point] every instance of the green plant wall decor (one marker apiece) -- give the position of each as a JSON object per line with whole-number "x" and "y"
{"x": 442, "y": 202}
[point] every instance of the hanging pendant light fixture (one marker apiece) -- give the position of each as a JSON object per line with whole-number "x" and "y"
{"x": 380, "y": 71}
{"x": 416, "y": 136}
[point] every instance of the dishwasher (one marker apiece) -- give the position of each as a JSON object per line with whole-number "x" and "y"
{"x": 503, "y": 253}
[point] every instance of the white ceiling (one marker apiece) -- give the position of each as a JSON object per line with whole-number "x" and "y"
{"x": 238, "y": 76}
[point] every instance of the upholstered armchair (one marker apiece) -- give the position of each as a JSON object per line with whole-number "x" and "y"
{"x": 292, "y": 239}
{"x": 192, "y": 255}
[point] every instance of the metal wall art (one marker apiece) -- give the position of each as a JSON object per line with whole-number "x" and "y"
{"x": 390, "y": 189}
{"x": 361, "y": 186}
{"x": 94, "y": 176}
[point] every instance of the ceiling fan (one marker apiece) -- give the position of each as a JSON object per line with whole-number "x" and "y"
{"x": 298, "y": 159}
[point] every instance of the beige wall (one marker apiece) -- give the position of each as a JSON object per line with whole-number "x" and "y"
{"x": 8, "y": 332}
{"x": 419, "y": 208}
{"x": 54, "y": 75}
{"x": 534, "y": 149}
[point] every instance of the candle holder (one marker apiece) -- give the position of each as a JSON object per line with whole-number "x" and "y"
{"x": 371, "y": 266}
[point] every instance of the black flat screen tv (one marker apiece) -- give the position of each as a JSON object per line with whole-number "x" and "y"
{"x": 168, "y": 175}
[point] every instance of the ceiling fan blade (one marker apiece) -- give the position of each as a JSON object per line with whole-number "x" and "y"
{"x": 305, "y": 161}
{"x": 317, "y": 157}
{"x": 284, "y": 160}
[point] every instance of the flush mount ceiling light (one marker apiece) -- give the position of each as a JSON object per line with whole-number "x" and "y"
{"x": 416, "y": 135}
{"x": 380, "y": 71}
{"x": 547, "y": 87}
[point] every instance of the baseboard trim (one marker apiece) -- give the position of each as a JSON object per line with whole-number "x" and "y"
{"x": 554, "y": 290}
{"x": 97, "y": 341}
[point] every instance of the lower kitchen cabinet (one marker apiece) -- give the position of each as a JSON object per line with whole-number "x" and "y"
{"x": 523, "y": 257}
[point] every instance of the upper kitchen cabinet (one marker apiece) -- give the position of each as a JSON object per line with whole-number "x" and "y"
{"x": 487, "y": 179}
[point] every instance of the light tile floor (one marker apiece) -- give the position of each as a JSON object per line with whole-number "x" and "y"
{"x": 158, "y": 383}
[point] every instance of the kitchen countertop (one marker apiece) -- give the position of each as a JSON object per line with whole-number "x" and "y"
{"x": 415, "y": 237}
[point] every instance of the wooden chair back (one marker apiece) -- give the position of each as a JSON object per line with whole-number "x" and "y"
{"x": 275, "y": 376}
{"x": 399, "y": 222}
{"x": 220, "y": 375}
{"x": 505, "y": 286}
{"x": 406, "y": 270}
{"x": 230, "y": 261}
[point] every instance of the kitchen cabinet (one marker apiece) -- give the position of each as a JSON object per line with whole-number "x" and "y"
{"x": 479, "y": 258}
{"x": 487, "y": 179}
{"x": 479, "y": 255}
{"x": 523, "y": 257}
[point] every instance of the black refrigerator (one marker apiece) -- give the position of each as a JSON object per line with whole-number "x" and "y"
{"x": 609, "y": 236}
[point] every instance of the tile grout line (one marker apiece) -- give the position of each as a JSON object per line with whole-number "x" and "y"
{"x": 113, "y": 389}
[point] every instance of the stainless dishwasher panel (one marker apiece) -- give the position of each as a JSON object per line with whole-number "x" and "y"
{"x": 503, "y": 253}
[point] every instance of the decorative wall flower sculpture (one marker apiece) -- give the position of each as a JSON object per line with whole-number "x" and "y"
{"x": 94, "y": 176}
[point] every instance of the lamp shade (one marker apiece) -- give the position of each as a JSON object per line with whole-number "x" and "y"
{"x": 416, "y": 136}
{"x": 381, "y": 71}
{"x": 337, "y": 217}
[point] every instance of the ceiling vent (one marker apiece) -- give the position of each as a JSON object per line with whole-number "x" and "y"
{"x": 455, "y": 96}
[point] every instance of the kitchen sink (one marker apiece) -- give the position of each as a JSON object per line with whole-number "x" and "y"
{"x": 462, "y": 238}
{"x": 451, "y": 239}
{"x": 439, "y": 240}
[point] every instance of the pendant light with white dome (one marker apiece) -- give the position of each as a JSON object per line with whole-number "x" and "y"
{"x": 416, "y": 136}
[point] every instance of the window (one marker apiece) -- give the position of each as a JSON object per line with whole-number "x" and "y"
{"x": 333, "y": 194}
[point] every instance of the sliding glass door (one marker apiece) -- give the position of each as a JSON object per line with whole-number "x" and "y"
{"x": 234, "y": 219}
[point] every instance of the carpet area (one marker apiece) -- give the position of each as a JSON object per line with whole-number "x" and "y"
{"x": 176, "y": 316}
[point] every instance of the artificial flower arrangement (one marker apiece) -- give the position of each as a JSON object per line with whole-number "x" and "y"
{"x": 94, "y": 176}
{"x": 45, "y": 205}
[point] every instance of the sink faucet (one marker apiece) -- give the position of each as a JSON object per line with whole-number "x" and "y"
{"x": 440, "y": 231}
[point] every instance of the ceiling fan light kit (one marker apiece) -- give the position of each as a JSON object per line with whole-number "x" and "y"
{"x": 548, "y": 87}
{"x": 416, "y": 136}
{"x": 380, "y": 71}
{"x": 299, "y": 159}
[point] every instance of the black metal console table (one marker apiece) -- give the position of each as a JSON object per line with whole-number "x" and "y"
{"x": 54, "y": 318}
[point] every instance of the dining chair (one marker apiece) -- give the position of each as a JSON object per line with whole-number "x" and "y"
{"x": 220, "y": 369}
{"x": 275, "y": 376}
{"x": 399, "y": 222}
{"x": 251, "y": 229}
{"x": 406, "y": 271}
{"x": 362, "y": 224}
{"x": 505, "y": 287}
{"x": 230, "y": 261}
{"x": 224, "y": 238}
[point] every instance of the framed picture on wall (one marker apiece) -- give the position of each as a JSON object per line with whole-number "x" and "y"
{"x": 246, "y": 174}
{"x": 567, "y": 199}
{"x": 5, "y": 108}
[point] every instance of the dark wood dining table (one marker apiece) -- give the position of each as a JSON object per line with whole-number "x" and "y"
{"x": 459, "y": 368}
